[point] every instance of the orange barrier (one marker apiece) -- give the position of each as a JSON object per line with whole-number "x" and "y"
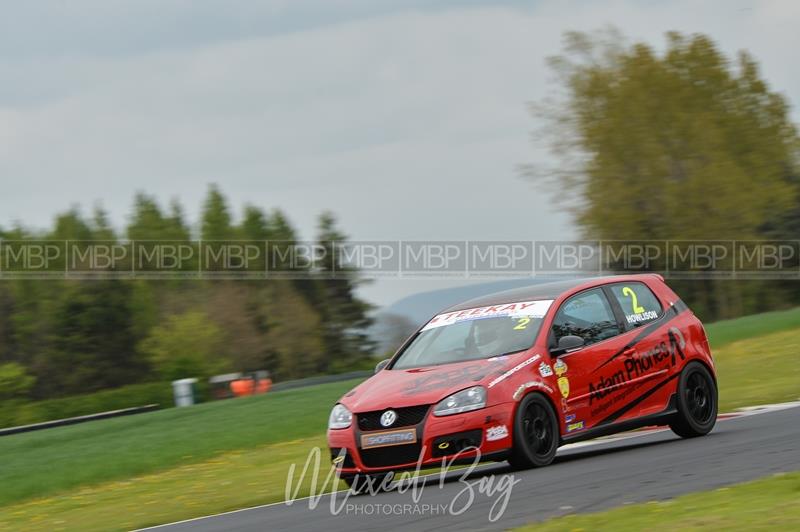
{"x": 244, "y": 387}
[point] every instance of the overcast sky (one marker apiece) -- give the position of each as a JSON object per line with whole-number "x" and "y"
{"x": 408, "y": 119}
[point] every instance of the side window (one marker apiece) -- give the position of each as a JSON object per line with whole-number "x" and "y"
{"x": 587, "y": 315}
{"x": 638, "y": 303}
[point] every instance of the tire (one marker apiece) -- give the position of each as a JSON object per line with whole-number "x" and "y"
{"x": 697, "y": 402}
{"x": 536, "y": 434}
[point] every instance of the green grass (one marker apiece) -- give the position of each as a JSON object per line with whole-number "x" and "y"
{"x": 725, "y": 332}
{"x": 233, "y": 480}
{"x": 767, "y": 504}
{"x": 759, "y": 370}
{"x": 48, "y": 461}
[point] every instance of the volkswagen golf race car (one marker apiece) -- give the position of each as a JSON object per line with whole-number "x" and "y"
{"x": 514, "y": 375}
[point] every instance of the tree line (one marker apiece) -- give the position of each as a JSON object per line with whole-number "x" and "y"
{"x": 63, "y": 337}
{"x": 682, "y": 143}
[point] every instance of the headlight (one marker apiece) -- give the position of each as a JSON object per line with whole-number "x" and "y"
{"x": 340, "y": 417}
{"x": 463, "y": 401}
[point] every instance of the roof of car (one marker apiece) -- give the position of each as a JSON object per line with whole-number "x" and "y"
{"x": 535, "y": 291}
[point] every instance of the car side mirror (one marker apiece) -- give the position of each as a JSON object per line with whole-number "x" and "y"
{"x": 566, "y": 344}
{"x": 382, "y": 364}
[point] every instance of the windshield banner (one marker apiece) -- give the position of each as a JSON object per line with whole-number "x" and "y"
{"x": 523, "y": 309}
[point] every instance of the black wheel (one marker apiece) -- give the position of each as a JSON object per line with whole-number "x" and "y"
{"x": 536, "y": 435}
{"x": 697, "y": 402}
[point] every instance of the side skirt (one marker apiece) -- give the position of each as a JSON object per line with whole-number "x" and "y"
{"x": 661, "y": 418}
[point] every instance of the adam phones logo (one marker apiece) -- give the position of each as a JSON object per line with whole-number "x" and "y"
{"x": 640, "y": 364}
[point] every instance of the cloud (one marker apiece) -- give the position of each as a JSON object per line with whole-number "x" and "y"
{"x": 403, "y": 101}
{"x": 407, "y": 121}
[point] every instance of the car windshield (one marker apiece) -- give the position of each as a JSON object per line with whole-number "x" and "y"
{"x": 476, "y": 333}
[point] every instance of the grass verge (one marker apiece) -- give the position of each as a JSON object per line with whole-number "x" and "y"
{"x": 768, "y": 504}
{"x": 759, "y": 370}
{"x": 232, "y": 480}
{"x": 722, "y": 333}
{"x": 59, "y": 459}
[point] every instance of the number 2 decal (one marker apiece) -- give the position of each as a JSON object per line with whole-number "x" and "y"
{"x": 627, "y": 291}
{"x": 522, "y": 323}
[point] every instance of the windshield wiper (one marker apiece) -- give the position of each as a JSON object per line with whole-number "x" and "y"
{"x": 508, "y": 353}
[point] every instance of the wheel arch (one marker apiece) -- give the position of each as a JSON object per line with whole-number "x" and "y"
{"x": 706, "y": 365}
{"x": 549, "y": 400}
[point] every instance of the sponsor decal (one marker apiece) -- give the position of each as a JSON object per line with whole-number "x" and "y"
{"x": 605, "y": 386}
{"x": 531, "y": 384}
{"x": 639, "y": 365}
{"x": 620, "y": 412}
{"x": 575, "y": 426}
{"x": 515, "y": 369}
{"x": 529, "y": 309}
{"x": 496, "y": 433}
{"x": 561, "y": 368}
{"x": 642, "y": 316}
{"x": 385, "y": 439}
{"x": 569, "y": 418}
{"x": 545, "y": 370}
{"x": 563, "y": 385}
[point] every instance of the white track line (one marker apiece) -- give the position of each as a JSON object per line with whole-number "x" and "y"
{"x": 740, "y": 412}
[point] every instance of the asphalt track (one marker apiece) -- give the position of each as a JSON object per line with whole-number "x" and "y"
{"x": 585, "y": 477}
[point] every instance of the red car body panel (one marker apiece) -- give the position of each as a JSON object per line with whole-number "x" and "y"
{"x": 615, "y": 384}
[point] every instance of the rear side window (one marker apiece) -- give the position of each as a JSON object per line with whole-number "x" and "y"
{"x": 587, "y": 315}
{"x": 638, "y": 303}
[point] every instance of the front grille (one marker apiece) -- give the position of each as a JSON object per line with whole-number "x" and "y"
{"x": 390, "y": 456}
{"x": 406, "y": 417}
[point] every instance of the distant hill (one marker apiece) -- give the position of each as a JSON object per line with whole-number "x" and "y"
{"x": 420, "y": 307}
{"x": 396, "y": 321}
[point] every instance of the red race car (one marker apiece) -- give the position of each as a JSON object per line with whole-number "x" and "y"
{"x": 517, "y": 374}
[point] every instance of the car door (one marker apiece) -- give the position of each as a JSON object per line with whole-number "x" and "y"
{"x": 589, "y": 378}
{"x": 650, "y": 356}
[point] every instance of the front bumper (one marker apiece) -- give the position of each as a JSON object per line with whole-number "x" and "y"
{"x": 438, "y": 438}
